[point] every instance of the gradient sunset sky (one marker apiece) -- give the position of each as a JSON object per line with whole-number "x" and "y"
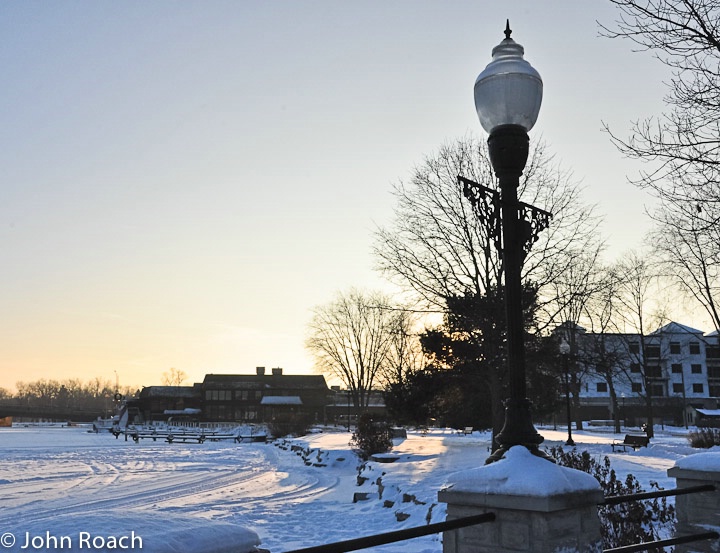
{"x": 183, "y": 181}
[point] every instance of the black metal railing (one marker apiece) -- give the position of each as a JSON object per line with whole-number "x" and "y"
{"x": 397, "y": 535}
{"x": 659, "y": 544}
{"x": 617, "y": 499}
{"x": 419, "y": 531}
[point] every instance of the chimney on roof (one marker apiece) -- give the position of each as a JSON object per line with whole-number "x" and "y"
{"x": 260, "y": 371}
{"x": 277, "y": 371}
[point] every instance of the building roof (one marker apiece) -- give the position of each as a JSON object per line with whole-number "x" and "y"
{"x": 281, "y": 400}
{"x": 676, "y": 328}
{"x": 265, "y": 381}
{"x": 169, "y": 391}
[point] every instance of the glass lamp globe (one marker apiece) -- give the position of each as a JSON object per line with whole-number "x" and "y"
{"x": 509, "y": 90}
{"x": 564, "y": 347}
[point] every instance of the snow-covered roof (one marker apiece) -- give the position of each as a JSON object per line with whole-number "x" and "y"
{"x": 676, "y": 328}
{"x": 186, "y": 411}
{"x": 709, "y": 412}
{"x": 281, "y": 400}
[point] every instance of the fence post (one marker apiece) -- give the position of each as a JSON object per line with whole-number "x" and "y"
{"x": 540, "y": 507}
{"x": 697, "y": 512}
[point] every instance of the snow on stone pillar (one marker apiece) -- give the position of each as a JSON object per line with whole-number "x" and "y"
{"x": 697, "y": 512}
{"x": 540, "y": 507}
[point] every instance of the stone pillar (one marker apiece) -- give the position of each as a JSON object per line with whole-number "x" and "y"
{"x": 697, "y": 512}
{"x": 540, "y": 507}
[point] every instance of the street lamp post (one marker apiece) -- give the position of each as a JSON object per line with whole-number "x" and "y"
{"x": 508, "y": 94}
{"x": 565, "y": 352}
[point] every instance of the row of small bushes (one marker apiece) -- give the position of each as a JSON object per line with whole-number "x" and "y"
{"x": 704, "y": 437}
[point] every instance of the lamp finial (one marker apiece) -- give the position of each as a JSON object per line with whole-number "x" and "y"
{"x": 508, "y": 31}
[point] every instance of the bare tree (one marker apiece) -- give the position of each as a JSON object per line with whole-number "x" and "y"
{"x": 351, "y": 338}
{"x": 637, "y": 311}
{"x": 581, "y": 286}
{"x": 405, "y": 355}
{"x": 689, "y": 248}
{"x": 604, "y": 351}
{"x": 438, "y": 248}
{"x": 174, "y": 377}
{"x": 681, "y": 146}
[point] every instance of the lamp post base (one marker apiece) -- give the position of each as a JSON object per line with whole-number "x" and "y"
{"x": 518, "y": 430}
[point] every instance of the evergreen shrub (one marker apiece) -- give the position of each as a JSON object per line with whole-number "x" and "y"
{"x": 371, "y": 437}
{"x": 627, "y": 523}
{"x": 289, "y": 424}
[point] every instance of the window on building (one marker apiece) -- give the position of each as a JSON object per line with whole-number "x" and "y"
{"x": 714, "y": 390}
{"x": 657, "y": 390}
{"x": 601, "y": 387}
{"x": 634, "y": 347}
{"x": 636, "y": 388}
{"x": 652, "y": 351}
{"x": 675, "y": 348}
{"x": 676, "y": 368}
{"x": 677, "y": 388}
{"x": 653, "y": 371}
{"x": 713, "y": 372}
{"x": 712, "y": 352}
{"x": 634, "y": 367}
{"x": 694, "y": 348}
{"x": 698, "y": 388}
{"x": 696, "y": 368}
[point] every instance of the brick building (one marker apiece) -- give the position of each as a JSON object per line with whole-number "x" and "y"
{"x": 258, "y": 397}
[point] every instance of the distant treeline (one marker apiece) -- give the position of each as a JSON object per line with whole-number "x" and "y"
{"x": 71, "y": 393}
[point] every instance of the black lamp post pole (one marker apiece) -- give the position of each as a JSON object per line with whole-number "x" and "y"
{"x": 508, "y": 94}
{"x": 570, "y": 441}
{"x": 508, "y": 149}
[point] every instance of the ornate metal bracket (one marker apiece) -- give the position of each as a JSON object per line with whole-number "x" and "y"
{"x": 534, "y": 220}
{"x": 487, "y": 205}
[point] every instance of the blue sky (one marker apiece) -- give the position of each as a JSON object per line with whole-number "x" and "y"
{"x": 183, "y": 181}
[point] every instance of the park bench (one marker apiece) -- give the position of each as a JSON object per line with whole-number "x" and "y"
{"x": 465, "y": 431}
{"x": 635, "y": 441}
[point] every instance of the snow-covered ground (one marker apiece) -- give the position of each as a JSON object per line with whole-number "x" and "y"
{"x": 58, "y": 483}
